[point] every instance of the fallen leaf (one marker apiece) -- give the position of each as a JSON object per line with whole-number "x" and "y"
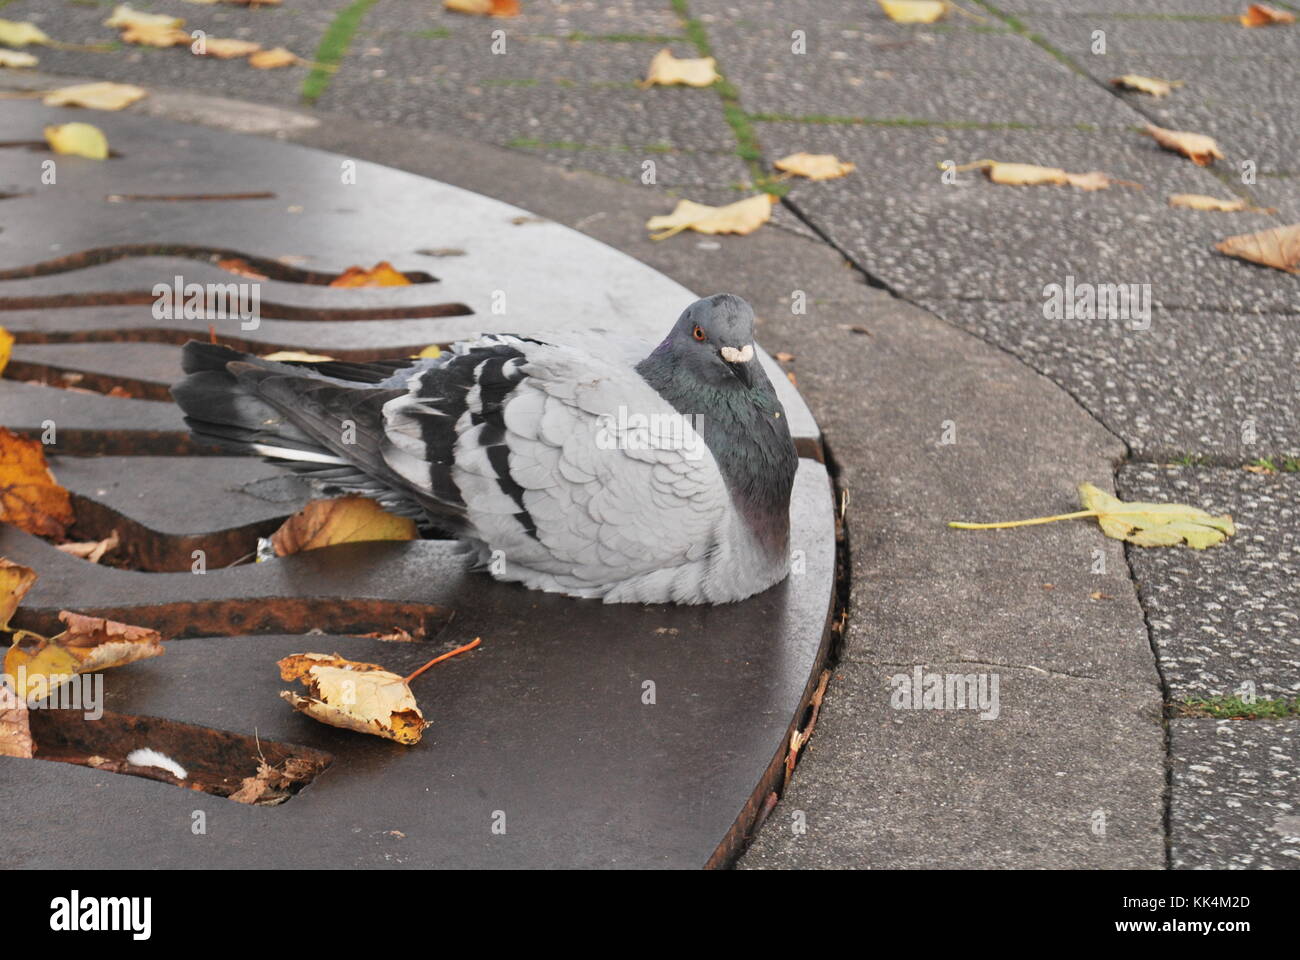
{"x": 12, "y": 58}
{"x": 92, "y": 550}
{"x": 240, "y": 267}
{"x": 6, "y": 348}
{"x": 484, "y": 8}
{"x": 15, "y": 33}
{"x": 432, "y": 351}
{"x": 1031, "y": 175}
{"x": 274, "y": 58}
{"x": 913, "y": 11}
{"x": 1200, "y": 201}
{"x": 381, "y": 274}
{"x": 397, "y": 635}
{"x": 15, "y": 726}
{"x": 783, "y": 357}
{"x": 88, "y": 645}
{"x": 355, "y": 696}
{"x": 323, "y": 523}
{"x": 1197, "y": 147}
{"x": 1098, "y": 595}
{"x": 1262, "y": 15}
{"x": 1143, "y": 524}
{"x": 743, "y": 216}
{"x": 273, "y": 785}
{"x": 1157, "y": 88}
{"x": 95, "y": 96}
{"x": 225, "y": 49}
{"x": 77, "y": 140}
{"x": 666, "y": 71}
{"x": 814, "y": 166}
{"x": 155, "y": 35}
{"x": 298, "y": 356}
{"x": 124, "y": 16}
{"x": 1278, "y": 247}
{"x": 30, "y": 499}
{"x": 15, "y": 581}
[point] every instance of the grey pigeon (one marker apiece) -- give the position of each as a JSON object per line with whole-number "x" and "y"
{"x": 584, "y": 464}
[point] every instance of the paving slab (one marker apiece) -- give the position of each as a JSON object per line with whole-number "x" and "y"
{"x": 1236, "y": 794}
{"x": 1230, "y": 615}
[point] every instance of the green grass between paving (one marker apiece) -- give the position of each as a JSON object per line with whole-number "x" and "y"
{"x": 1235, "y": 708}
{"x": 333, "y": 48}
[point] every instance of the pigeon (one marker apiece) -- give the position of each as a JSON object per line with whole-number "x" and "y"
{"x": 585, "y": 463}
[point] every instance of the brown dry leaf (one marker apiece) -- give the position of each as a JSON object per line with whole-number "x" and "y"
{"x": 484, "y": 8}
{"x": 89, "y": 644}
{"x": 1200, "y": 201}
{"x": 914, "y": 11}
{"x": 272, "y": 785}
{"x": 1262, "y": 15}
{"x": 666, "y": 71}
{"x": 95, "y": 96}
{"x": 225, "y": 49}
{"x": 240, "y": 267}
{"x": 323, "y": 523}
{"x": 124, "y": 16}
{"x": 815, "y": 166}
{"x": 355, "y": 696}
{"x": 15, "y": 58}
{"x": 29, "y": 497}
{"x": 1278, "y": 248}
{"x": 1031, "y": 175}
{"x": 92, "y": 550}
{"x": 381, "y": 274}
{"x": 1157, "y": 88}
{"x": 15, "y": 581}
{"x": 77, "y": 140}
{"x": 6, "y": 348}
{"x": 1197, "y": 147}
{"x": 146, "y": 35}
{"x": 15, "y": 726}
{"x": 398, "y": 635}
{"x": 743, "y": 216}
{"x": 272, "y": 59}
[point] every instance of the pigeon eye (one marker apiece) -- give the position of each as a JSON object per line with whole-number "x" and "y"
{"x": 698, "y": 334}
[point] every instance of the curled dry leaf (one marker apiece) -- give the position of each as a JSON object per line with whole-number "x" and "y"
{"x": 92, "y": 550}
{"x": 274, "y": 785}
{"x": 743, "y": 216}
{"x": 95, "y": 96}
{"x": 1200, "y": 201}
{"x": 1197, "y": 147}
{"x": 355, "y": 696}
{"x": 20, "y": 33}
{"x": 666, "y": 71}
{"x": 1157, "y": 88}
{"x": 15, "y": 581}
{"x": 225, "y": 49}
{"x": 77, "y": 140}
{"x": 323, "y": 523}
{"x": 124, "y": 16}
{"x": 1278, "y": 247}
{"x": 273, "y": 59}
{"x": 87, "y": 645}
{"x": 15, "y": 726}
{"x": 155, "y": 36}
{"x": 1262, "y": 15}
{"x": 6, "y": 348}
{"x": 914, "y": 11}
{"x": 815, "y": 166}
{"x": 1031, "y": 175}
{"x": 29, "y": 497}
{"x": 484, "y": 8}
{"x": 381, "y": 274}
{"x": 16, "y": 58}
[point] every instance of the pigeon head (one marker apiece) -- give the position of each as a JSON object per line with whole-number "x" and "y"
{"x": 714, "y": 339}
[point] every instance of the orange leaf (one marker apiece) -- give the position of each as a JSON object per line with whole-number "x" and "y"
{"x": 323, "y": 523}
{"x": 15, "y": 581}
{"x": 30, "y": 499}
{"x": 1278, "y": 248}
{"x": 381, "y": 274}
{"x": 1197, "y": 147}
{"x": 1262, "y": 15}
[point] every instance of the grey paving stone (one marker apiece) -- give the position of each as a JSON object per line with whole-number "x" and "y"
{"x": 1189, "y": 384}
{"x": 1231, "y": 614}
{"x": 1236, "y": 794}
{"x": 1073, "y": 36}
{"x": 1151, "y": 8}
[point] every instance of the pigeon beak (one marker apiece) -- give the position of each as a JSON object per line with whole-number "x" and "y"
{"x": 738, "y": 360}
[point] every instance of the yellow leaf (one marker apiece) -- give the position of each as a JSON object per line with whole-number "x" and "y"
{"x": 1133, "y": 81}
{"x": 666, "y": 70}
{"x": 814, "y": 166}
{"x": 88, "y": 645}
{"x": 323, "y": 523}
{"x": 1197, "y": 147}
{"x": 271, "y": 59}
{"x": 1144, "y": 524}
{"x": 297, "y": 355}
{"x": 95, "y": 96}
{"x": 6, "y": 348}
{"x": 484, "y": 8}
{"x": 146, "y": 35}
{"x": 225, "y": 49}
{"x": 381, "y": 274}
{"x": 12, "y": 58}
{"x": 1031, "y": 175}
{"x": 1262, "y": 15}
{"x": 1199, "y": 201}
{"x": 913, "y": 11}
{"x": 29, "y": 497}
{"x": 78, "y": 140}
{"x": 14, "y": 33}
{"x": 743, "y": 216}
{"x": 15, "y": 581}
{"x": 355, "y": 696}
{"x": 1278, "y": 247}
{"x": 124, "y": 16}
{"x": 430, "y": 352}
